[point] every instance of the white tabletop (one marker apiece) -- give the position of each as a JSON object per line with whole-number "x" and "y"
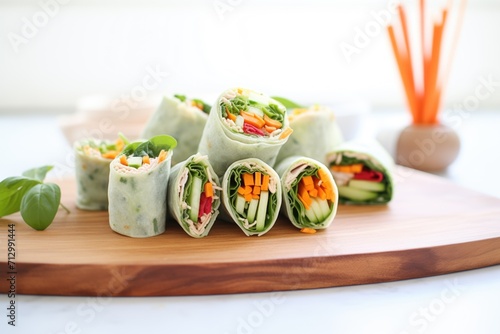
{"x": 466, "y": 302}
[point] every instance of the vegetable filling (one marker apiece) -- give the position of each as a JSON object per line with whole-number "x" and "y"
{"x": 194, "y": 103}
{"x": 105, "y": 149}
{"x": 254, "y": 114}
{"x": 311, "y": 195}
{"x": 359, "y": 180}
{"x": 253, "y": 197}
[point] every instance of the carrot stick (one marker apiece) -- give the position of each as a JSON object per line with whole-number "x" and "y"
{"x": 265, "y": 183}
{"x": 431, "y": 105}
{"x": 410, "y": 95}
{"x": 456, "y": 33}
{"x": 286, "y": 133}
{"x": 209, "y": 189}
{"x": 145, "y": 159}
{"x": 407, "y": 59}
{"x": 425, "y": 55}
{"x": 123, "y": 160}
{"x": 162, "y": 156}
{"x": 248, "y": 179}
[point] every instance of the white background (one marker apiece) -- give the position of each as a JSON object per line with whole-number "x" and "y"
{"x": 290, "y": 48}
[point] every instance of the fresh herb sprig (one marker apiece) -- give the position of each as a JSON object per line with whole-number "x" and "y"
{"x": 37, "y": 201}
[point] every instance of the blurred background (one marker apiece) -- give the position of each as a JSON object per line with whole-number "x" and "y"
{"x": 53, "y": 52}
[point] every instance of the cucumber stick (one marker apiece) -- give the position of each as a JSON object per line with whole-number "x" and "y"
{"x": 194, "y": 198}
{"x": 252, "y": 210}
{"x": 356, "y": 194}
{"x": 240, "y": 204}
{"x": 262, "y": 210}
{"x": 367, "y": 185}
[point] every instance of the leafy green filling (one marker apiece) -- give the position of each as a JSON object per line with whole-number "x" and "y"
{"x": 151, "y": 147}
{"x": 195, "y": 169}
{"x": 241, "y": 103}
{"x": 384, "y": 196}
{"x": 205, "y": 107}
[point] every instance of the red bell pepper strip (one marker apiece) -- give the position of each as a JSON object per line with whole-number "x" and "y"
{"x": 205, "y": 205}
{"x": 369, "y": 175}
{"x": 253, "y": 130}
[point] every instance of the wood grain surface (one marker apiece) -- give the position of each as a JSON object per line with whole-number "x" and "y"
{"x": 431, "y": 227}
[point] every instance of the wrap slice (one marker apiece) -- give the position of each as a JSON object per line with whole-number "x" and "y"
{"x": 182, "y": 118}
{"x": 92, "y": 159}
{"x": 363, "y": 172}
{"x": 137, "y": 189}
{"x": 251, "y": 195}
{"x": 194, "y": 195}
{"x": 309, "y": 192}
{"x": 242, "y": 124}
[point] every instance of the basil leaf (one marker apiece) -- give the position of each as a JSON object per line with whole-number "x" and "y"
{"x": 40, "y": 204}
{"x": 287, "y": 103}
{"x": 38, "y": 173}
{"x": 151, "y": 148}
{"x": 182, "y": 98}
{"x": 12, "y": 190}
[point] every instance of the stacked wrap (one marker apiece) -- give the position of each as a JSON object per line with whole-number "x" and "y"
{"x": 138, "y": 190}
{"x": 183, "y": 119}
{"x": 315, "y": 133}
{"x": 92, "y": 159}
{"x": 251, "y": 195}
{"x": 194, "y": 195}
{"x": 309, "y": 192}
{"x": 363, "y": 172}
{"x": 243, "y": 124}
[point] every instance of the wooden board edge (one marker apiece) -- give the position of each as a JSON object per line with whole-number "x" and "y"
{"x": 273, "y": 275}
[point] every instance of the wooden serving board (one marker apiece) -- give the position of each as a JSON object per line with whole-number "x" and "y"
{"x": 431, "y": 227}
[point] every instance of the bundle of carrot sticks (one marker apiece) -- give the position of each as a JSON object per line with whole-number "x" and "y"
{"x": 424, "y": 91}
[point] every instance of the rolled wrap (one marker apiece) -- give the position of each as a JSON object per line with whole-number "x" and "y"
{"x": 363, "y": 172}
{"x": 187, "y": 195}
{"x": 311, "y": 126}
{"x": 257, "y": 213}
{"x": 227, "y": 140}
{"x": 138, "y": 196}
{"x": 315, "y": 208}
{"x": 92, "y": 159}
{"x": 183, "y": 119}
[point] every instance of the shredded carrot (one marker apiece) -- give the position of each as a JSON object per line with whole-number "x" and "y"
{"x": 162, "y": 156}
{"x": 109, "y": 155}
{"x": 123, "y": 160}
{"x": 269, "y": 129}
{"x": 231, "y": 116}
{"x": 248, "y": 179}
{"x": 313, "y": 192}
{"x": 145, "y": 159}
{"x": 265, "y": 183}
{"x": 248, "y": 197}
{"x": 304, "y": 196}
{"x": 255, "y": 196}
{"x": 272, "y": 122}
{"x": 286, "y": 133}
{"x": 308, "y": 230}
{"x": 209, "y": 189}
{"x": 252, "y": 119}
{"x": 248, "y": 190}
